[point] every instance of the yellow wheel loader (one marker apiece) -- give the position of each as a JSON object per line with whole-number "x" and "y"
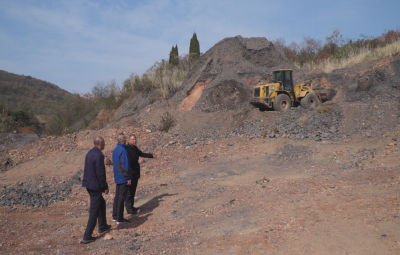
{"x": 281, "y": 94}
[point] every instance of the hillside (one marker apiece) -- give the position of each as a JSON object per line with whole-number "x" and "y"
{"x": 229, "y": 179}
{"x": 19, "y": 92}
{"x": 223, "y": 77}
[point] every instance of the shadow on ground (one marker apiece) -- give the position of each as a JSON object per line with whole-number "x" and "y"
{"x": 145, "y": 212}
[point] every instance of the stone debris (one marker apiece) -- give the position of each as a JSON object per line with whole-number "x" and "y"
{"x": 108, "y": 237}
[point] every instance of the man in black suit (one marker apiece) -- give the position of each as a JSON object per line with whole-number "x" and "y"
{"x": 94, "y": 180}
{"x": 133, "y": 156}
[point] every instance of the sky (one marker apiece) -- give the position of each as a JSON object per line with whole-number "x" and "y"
{"x": 77, "y": 43}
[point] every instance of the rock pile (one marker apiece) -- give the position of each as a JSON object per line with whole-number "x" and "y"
{"x": 38, "y": 192}
{"x": 322, "y": 123}
{"x": 223, "y": 77}
{"x": 32, "y": 149}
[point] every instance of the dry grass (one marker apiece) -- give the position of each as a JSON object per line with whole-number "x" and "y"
{"x": 168, "y": 79}
{"x": 355, "y": 57}
{"x": 161, "y": 76}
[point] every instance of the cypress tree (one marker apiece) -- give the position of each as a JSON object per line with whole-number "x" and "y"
{"x": 174, "y": 56}
{"x": 171, "y": 55}
{"x": 194, "y": 48}
{"x": 176, "y": 62}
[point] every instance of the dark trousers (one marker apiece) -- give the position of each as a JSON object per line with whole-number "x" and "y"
{"x": 130, "y": 197}
{"x": 97, "y": 212}
{"x": 120, "y": 196}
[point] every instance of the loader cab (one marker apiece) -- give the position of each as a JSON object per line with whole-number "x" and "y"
{"x": 285, "y": 77}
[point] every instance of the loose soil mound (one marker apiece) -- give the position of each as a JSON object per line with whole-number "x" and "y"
{"x": 227, "y": 73}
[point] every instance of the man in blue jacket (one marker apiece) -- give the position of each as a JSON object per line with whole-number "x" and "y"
{"x": 94, "y": 180}
{"x": 122, "y": 177}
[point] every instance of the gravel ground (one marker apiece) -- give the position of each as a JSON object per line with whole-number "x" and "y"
{"x": 229, "y": 179}
{"x": 38, "y": 192}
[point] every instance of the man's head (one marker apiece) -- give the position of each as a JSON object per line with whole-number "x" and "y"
{"x": 121, "y": 138}
{"x": 132, "y": 139}
{"x": 99, "y": 142}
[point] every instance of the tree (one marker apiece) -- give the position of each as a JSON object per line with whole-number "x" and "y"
{"x": 100, "y": 90}
{"x": 174, "y": 56}
{"x": 334, "y": 41}
{"x": 280, "y": 43}
{"x": 311, "y": 46}
{"x": 308, "y": 49}
{"x": 391, "y": 35}
{"x": 194, "y": 49}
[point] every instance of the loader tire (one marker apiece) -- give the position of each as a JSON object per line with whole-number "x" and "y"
{"x": 310, "y": 101}
{"x": 282, "y": 103}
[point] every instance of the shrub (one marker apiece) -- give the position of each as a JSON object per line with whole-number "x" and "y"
{"x": 162, "y": 75}
{"x": 356, "y": 56}
{"x": 167, "y": 122}
{"x": 338, "y": 52}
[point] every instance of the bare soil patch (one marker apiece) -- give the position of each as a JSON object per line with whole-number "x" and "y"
{"x": 194, "y": 95}
{"x": 262, "y": 196}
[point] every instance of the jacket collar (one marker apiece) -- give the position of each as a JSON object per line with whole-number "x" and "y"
{"x": 122, "y": 145}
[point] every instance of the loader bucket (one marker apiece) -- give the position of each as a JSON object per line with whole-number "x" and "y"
{"x": 325, "y": 94}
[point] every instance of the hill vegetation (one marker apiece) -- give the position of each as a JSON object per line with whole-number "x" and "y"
{"x": 27, "y": 102}
{"x": 165, "y": 77}
{"x": 338, "y": 52}
{"x": 19, "y": 92}
{"x": 335, "y": 53}
{"x": 45, "y": 108}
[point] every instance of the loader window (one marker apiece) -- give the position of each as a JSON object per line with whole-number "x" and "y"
{"x": 277, "y": 76}
{"x": 288, "y": 80}
{"x": 288, "y": 76}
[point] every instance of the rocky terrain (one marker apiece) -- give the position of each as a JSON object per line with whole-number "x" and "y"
{"x": 229, "y": 179}
{"x": 223, "y": 77}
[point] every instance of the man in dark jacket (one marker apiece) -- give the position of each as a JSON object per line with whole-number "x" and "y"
{"x": 133, "y": 155}
{"x": 122, "y": 177}
{"x": 94, "y": 180}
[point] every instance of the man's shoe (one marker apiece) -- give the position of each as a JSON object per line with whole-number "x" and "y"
{"x": 136, "y": 208}
{"x": 132, "y": 212}
{"x": 123, "y": 221}
{"x": 101, "y": 230}
{"x": 89, "y": 240}
{"x": 114, "y": 220}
